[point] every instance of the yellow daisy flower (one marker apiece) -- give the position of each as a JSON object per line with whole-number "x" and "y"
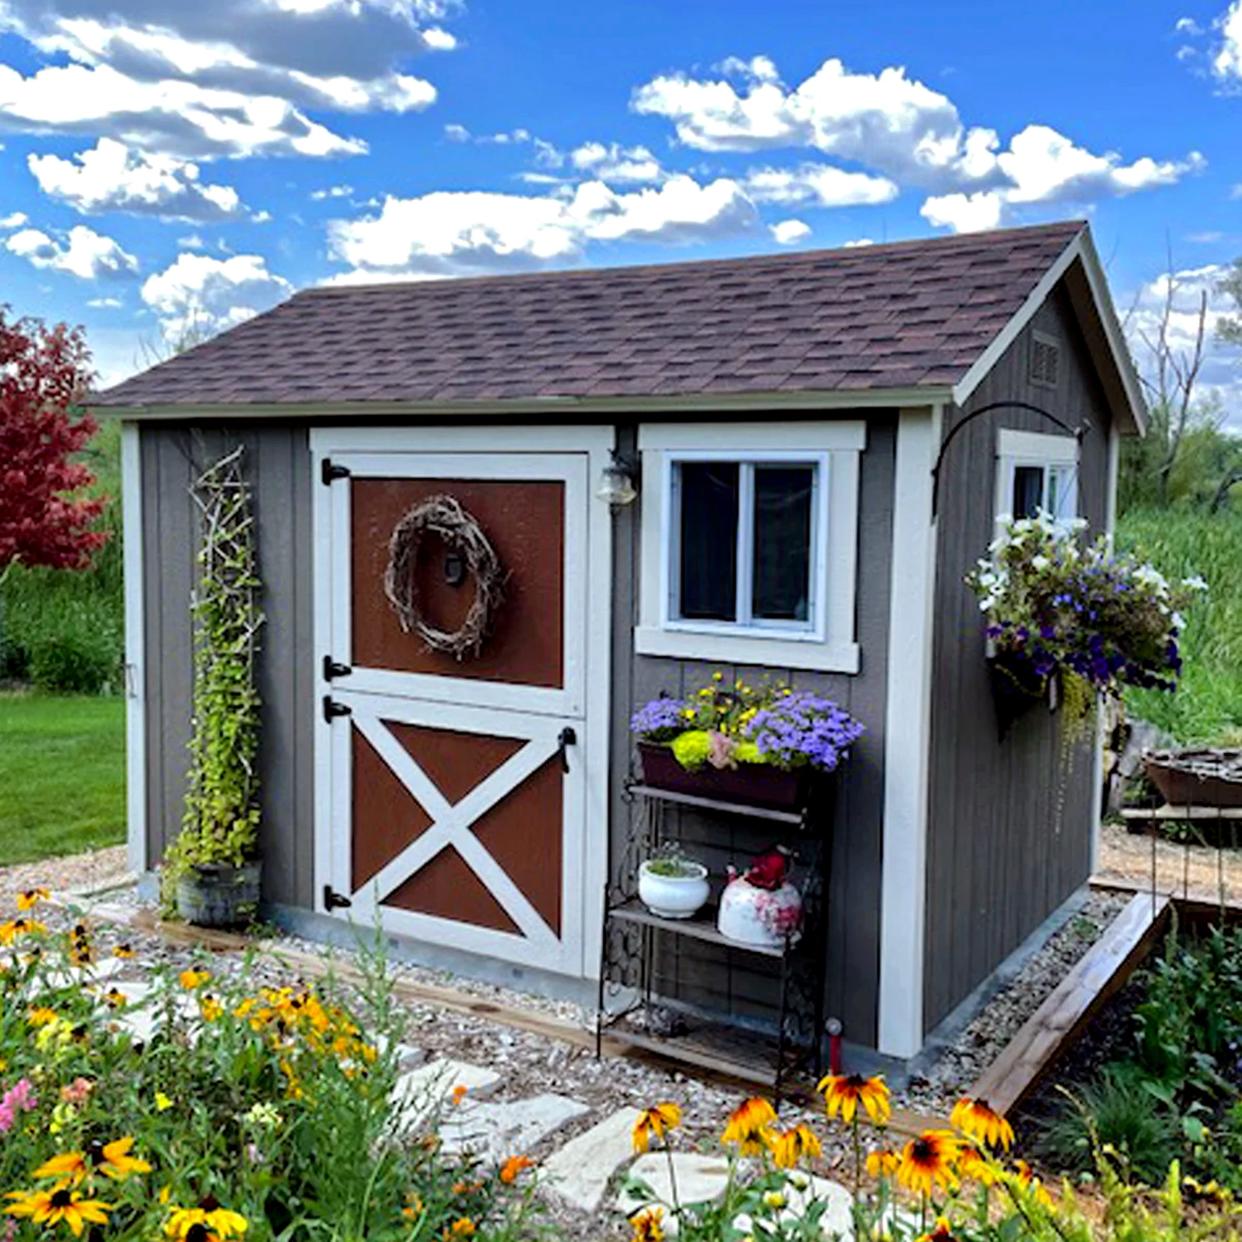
{"x": 29, "y": 898}
{"x": 844, "y": 1092}
{"x": 749, "y": 1126}
{"x": 60, "y": 1203}
{"x": 927, "y": 1162}
{"x": 979, "y": 1121}
{"x": 790, "y": 1146}
{"x": 648, "y": 1225}
{"x": 655, "y": 1123}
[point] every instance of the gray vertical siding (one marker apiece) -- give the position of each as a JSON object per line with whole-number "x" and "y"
{"x": 278, "y": 466}
{"x": 738, "y": 983}
{"x": 999, "y": 857}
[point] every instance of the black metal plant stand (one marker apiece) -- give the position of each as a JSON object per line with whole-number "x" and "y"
{"x": 632, "y": 1012}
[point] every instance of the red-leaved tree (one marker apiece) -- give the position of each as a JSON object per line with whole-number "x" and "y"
{"x": 44, "y": 517}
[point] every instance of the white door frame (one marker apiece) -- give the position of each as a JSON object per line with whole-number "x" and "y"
{"x": 509, "y": 452}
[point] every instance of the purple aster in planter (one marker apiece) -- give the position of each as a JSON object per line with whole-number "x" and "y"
{"x": 803, "y": 728}
{"x": 660, "y": 720}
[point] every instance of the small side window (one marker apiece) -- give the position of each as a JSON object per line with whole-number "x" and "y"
{"x": 1037, "y": 472}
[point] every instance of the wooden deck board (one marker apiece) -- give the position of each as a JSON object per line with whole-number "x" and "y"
{"x": 1032, "y": 1052}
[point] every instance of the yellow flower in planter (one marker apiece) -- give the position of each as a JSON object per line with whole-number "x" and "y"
{"x": 655, "y": 1123}
{"x": 979, "y": 1121}
{"x": 60, "y": 1203}
{"x": 844, "y": 1092}
{"x": 790, "y": 1146}
{"x": 29, "y": 898}
{"x": 191, "y": 979}
{"x": 749, "y": 1126}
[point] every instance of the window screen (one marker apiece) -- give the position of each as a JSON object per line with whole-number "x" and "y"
{"x": 1028, "y": 490}
{"x": 782, "y": 542}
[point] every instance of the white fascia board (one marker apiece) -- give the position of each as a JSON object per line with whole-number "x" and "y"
{"x": 545, "y": 408}
{"x": 1081, "y": 249}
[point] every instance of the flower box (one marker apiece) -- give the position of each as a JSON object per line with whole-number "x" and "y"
{"x": 752, "y": 784}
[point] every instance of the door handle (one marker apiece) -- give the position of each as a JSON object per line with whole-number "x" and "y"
{"x": 566, "y": 739}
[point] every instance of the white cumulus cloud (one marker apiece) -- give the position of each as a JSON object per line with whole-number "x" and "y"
{"x": 819, "y": 185}
{"x": 113, "y": 177}
{"x": 789, "y": 232}
{"x": 454, "y": 233}
{"x": 81, "y": 252}
{"x": 200, "y": 293}
{"x": 1227, "y": 62}
{"x": 226, "y": 78}
{"x": 613, "y": 162}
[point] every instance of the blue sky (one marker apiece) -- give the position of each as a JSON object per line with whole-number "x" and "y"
{"x": 167, "y": 164}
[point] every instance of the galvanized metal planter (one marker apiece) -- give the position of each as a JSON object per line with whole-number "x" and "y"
{"x": 219, "y": 895}
{"x": 1204, "y": 777}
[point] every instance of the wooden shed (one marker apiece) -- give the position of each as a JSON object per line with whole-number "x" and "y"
{"x": 479, "y": 805}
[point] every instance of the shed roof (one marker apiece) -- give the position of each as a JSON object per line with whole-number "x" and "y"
{"x": 900, "y": 316}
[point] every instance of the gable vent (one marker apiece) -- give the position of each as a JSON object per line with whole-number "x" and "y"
{"x": 1045, "y": 360}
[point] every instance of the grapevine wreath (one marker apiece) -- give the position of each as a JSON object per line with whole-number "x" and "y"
{"x": 443, "y": 516}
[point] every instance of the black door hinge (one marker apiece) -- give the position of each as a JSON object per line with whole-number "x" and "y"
{"x": 332, "y": 900}
{"x": 332, "y": 709}
{"x": 334, "y": 668}
{"x": 329, "y": 471}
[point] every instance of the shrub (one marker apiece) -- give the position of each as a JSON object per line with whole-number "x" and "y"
{"x": 1118, "y": 1111}
{"x": 75, "y": 654}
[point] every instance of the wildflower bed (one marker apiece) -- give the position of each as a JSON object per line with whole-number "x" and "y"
{"x": 248, "y": 1110}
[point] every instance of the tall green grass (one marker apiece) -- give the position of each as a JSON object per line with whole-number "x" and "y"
{"x": 1207, "y": 707}
{"x": 63, "y": 630}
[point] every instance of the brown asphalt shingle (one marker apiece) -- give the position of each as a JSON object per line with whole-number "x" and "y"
{"x": 906, "y": 315}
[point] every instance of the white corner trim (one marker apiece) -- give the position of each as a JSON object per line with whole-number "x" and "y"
{"x": 1110, "y": 494}
{"x": 135, "y": 657}
{"x": 907, "y": 736}
{"x": 832, "y": 646}
{"x": 1082, "y": 249}
{"x": 835, "y": 435}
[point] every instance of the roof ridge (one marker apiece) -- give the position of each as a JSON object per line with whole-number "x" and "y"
{"x": 795, "y": 258}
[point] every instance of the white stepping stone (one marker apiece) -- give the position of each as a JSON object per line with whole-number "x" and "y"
{"x": 496, "y": 1131}
{"x": 581, "y": 1170}
{"x": 700, "y": 1179}
{"x": 428, "y": 1088}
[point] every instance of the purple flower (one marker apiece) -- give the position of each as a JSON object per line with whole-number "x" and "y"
{"x": 659, "y": 720}
{"x": 803, "y": 728}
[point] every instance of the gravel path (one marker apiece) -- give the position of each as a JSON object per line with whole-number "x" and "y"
{"x": 70, "y": 873}
{"x": 1195, "y": 869}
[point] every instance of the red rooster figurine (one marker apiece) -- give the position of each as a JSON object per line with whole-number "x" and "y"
{"x": 770, "y": 868}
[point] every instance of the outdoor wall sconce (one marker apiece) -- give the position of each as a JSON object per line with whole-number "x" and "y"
{"x": 617, "y": 482}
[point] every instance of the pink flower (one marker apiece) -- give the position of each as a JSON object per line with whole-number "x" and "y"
{"x": 720, "y": 751}
{"x": 77, "y": 1091}
{"x": 19, "y": 1098}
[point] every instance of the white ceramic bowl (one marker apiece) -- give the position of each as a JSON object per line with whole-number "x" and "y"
{"x": 674, "y": 896}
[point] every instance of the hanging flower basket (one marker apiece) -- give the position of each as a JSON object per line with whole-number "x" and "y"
{"x": 1016, "y": 688}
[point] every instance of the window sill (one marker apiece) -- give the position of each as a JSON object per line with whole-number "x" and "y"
{"x": 779, "y": 650}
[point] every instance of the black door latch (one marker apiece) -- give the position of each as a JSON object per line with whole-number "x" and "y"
{"x": 332, "y": 709}
{"x": 566, "y": 739}
{"x": 332, "y": 900}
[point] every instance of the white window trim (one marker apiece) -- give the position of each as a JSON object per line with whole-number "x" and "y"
{"x": 1032, "y": 448}
{"x": 830, "y": 645}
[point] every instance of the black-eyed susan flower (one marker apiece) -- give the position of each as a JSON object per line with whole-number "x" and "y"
{"x": 60, "y": 1203}
{"x": 28, "y": 898}
{"x": 979, "y": 1121}
{"x": 69, "y": 1166}
{"x": 123, "y": 951}
{"x": 941, "y": 1233}
{"x": 749, "y": 1126}
{"x": 41, "y": 1015}
{"x": 655, "y": 1123}
{"x": 463, "y": 1227}
{"x": 976, "y": 1166}
{"x": 844, "y": 1092}
{"x": 882, "y": 1163}
{"x": 210, "y": 1008}
{"x": 458, "y": 1094}
{"x": 1023, "y": 1176}
{"x": 413, "y": 1208}
{"x": 114, "y": 998}
{"x": 798, "y": 1143}
{"x": 16, "y": 929}
{"x": 115, "y": 1161}
{"x": 648, "y": 1225}
{"x": 193, "y": 978}
{"x": 512, "y": 1168}
{"x": 208, "y": 1222}
{"x": 927, "y": 1161}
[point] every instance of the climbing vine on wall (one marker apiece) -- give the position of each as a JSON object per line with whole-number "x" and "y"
{"x": 221, "y": 821}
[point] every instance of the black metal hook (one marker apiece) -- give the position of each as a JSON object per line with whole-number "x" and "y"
{"x": 1078, "y": 433}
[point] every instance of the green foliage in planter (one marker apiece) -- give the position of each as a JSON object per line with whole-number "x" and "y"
{"x": 221, "y": 822}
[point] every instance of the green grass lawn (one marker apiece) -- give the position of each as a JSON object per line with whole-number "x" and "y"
{"x": 62, "y": 775}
